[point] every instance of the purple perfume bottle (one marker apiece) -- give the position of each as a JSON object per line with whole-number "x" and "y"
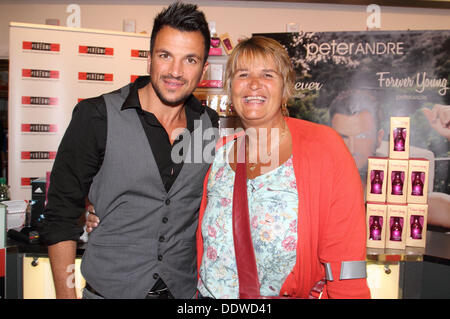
{"x": 376, "y": 184}
{"x": 396, "y": 230}
{"x": 397, "y": 184}
{"x": 375, "y": 228}
{"x": 417, "y": 184}
{"x": 215, "y": 41}
{"x": 399, "y": 140}
{"x": 416, "y": 228}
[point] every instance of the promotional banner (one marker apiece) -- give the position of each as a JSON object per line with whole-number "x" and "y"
{"x": 51, "y": 70}
{"x": 356, "y": 81}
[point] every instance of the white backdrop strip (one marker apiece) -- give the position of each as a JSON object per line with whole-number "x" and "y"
{"x": 51, "y": 70}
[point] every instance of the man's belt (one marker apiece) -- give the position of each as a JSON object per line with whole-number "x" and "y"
{"x": 163, "y": 293}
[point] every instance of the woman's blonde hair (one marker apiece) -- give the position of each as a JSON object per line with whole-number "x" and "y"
{"x": 259, "y": 47}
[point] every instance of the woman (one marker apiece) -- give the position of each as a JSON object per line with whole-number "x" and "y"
{"x": 305, "y": 198}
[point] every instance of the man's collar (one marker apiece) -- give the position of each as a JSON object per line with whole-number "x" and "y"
{"x": 132, "y": 100}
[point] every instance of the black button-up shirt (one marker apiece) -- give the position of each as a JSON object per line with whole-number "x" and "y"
{"x": 81, "y": 152}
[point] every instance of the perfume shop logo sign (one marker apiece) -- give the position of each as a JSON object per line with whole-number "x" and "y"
{"x": 84, "y": 49}
{"x": 417, "y": 210}
{"x": 378, "y": 166}
{"x": 89, "y": 76}
{"x": 399, "y": 167}
{"x": 41, "y": 46}
{"x": 39, "y": 128}
{"x": 397, "y": 211}
{"x": 379, "y": 211}
{"x": 40, "y": 74}
{"x": 26, "y": 181}
{"x": 41, "y": 155}
{"x": 39, "y": 100}
{"x": 140, "y": 54}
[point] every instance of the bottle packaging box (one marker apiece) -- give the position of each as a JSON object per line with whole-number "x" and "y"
{"x": 416, "y": 231}
{"x": 399, "y": 138}
{"x": 215, "y": 40}
{"x": 376, "y": 224}
{"x": 377, "y": 173}
{"x": 418, "y": 173}
{"x": 226, "y": 43}
{"x": 397, "y": 185}
{"x": 396, "y": 226}
{"x": 219, "y": 103}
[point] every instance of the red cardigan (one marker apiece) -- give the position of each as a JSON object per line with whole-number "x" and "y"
{"x": 331, "y": 214}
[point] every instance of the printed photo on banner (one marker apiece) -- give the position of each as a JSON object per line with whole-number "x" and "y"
{"x": 356, "y": 81}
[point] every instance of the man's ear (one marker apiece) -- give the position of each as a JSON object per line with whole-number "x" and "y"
{"x": 149, "y": 62}
{"x": 205, "y": 68}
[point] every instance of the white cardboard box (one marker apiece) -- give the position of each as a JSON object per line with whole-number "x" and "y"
{"x": 15, "y": 214}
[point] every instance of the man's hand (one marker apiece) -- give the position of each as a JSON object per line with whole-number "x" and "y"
{"x": 92, "y": 220}
{"x": 439, "y": 119}
{"x": 62, "y": 260}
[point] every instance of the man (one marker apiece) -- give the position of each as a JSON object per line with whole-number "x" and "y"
{"x": 117, "y": 150}
{"x": 355, "y": 115}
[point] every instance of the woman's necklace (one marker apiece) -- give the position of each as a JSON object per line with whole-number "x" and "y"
{"x": 253, "y": 166}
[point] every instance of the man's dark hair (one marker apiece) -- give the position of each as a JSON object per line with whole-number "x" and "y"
{"x": 352, "y": 102}
{"x": 182, "y": 17}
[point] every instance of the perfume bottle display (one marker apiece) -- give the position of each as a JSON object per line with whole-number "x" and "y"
{"x": 399, "y": 139}
{"x": 417, "y": 183}
{"x": 215, "y": 40}
{"x": 376, "y": 183}
{"x": 396, "y": 228}
{"x": 227, "y": 43}
{"x": 375, "y": 229}
{"x": 397, "y": 183}
{"x": 416, "y": 226}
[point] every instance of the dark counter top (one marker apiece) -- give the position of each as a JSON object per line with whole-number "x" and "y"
{"x": 437, "y": 250}
{"x": 438, "y": 247}
{"x": 36, "y": 250}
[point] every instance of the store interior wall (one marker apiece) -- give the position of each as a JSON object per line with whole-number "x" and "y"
{"x": 237, "y": 18}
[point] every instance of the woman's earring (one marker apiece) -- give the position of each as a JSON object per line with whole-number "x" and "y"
{"x": 284, "y": 109}
{"x": 230, "y": 108}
